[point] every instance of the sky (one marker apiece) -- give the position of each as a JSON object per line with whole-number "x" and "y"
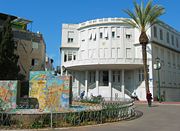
{"x": 49, "y": 15}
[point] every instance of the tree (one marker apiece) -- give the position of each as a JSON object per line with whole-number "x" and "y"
{"x": 9, "y": 68}
{"x": 143, "y": 18}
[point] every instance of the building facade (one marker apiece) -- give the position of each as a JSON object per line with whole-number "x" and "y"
{"x": 31, "y": 48}
{"x": 49, "y": 64}
{"x": 105, "y": 58}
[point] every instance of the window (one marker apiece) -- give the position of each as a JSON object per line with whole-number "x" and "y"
{"x": 34, "y": 62}
{"x": 128, "y": 36}
{"x": 128, "y": 52}
{"x": 105, "y": 78}
{"x": 94, "y": 34}
{"x": 113, "y": 52}
{"x": 169, "y": 58}
{"x": 141, "y": 75}
{"x": 94, "y": 77}
{"x": 70, "y": 36}
{"x": 94, "y": 37}
{"x": 161, "y": 34}
{"x": 173, "y": 59}
{"x": 177, "y": 43}
{"x": 113, "y": 74}
{"x": 91, "y": 77}
{"x": 101, "y": 35}
{"x": 113, "y": 34}
{"x": 34, "y": 45}
{"x": 116, "y": 76}
{"x": 90, "y": 37}
{"x": 172, "y": 39}
{"x": 155, "y": 32}
{"x": 65, "y": 57}
{"x": 70, "y": 40}
{"x": 119, "y": 78}
{"x": 106, "y": 53}
{"x": 69, "y": 56}
{"x": 119, "y": 53}
{"x": 74, "y": 55}
{"x": 167, "y": 37}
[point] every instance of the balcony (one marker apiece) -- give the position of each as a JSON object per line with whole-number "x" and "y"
{"x": 104, "y": 63}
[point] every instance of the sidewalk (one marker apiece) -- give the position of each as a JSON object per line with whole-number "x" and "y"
{"x": 159, "y": 103}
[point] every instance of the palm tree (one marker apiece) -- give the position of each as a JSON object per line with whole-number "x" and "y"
{"x": 143, "y": 18}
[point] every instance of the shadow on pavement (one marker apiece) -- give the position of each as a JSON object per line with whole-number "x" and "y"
{"x": 137, "y": 115}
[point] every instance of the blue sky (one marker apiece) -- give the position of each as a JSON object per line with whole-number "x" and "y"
{"x": 48, "y": 15}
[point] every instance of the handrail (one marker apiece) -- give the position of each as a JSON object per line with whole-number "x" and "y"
{"x": 91, "y": 86}
{"x": 128, "y": 92}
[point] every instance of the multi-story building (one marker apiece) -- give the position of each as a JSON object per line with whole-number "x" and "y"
{"x": 49, "y": 64}
{"x": 105, "y": 58}
{"x": 30, "y": 47}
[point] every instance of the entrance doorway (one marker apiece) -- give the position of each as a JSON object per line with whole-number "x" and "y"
{"x": 105, "y": 78}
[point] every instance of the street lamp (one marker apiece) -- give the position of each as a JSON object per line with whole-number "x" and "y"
{"x": 157, "y": 66}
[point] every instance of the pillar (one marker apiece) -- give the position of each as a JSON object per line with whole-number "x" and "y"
{"x": 110, "y": 83}
{"x": 97, "y": 81}
{"x": 86, "y": 83}
{"x": 122, "y": 85}
{"x": 78, "y": 84}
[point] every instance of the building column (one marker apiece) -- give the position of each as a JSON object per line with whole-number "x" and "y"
{"x": 97, "y": 81}
{"x": 78, "y": 84}
{"x": 122, "y": 85}
{"x": 86, "y": 83}
{"x": 61, "y": 70}
{"x": 110, "y": 85}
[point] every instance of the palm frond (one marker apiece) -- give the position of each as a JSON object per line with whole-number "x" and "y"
{"x": 131, "y": 15}
{"x": 145, "y": 16}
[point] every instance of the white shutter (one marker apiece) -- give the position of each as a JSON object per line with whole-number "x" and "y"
{"x": 128, "y": 52}
{"x": 118, "y": 31}
{"x": 105, "y": 32}
{"x": 119, "y": 53}
{"x": 94, "y": 34}
{"x": 89, "y": 34}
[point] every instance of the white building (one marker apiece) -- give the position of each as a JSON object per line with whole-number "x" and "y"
{"x": 104, "y": 57}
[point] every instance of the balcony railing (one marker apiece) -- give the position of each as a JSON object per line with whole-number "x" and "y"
{"x": 103, "y": 61}
{"x": 101, "y": 21}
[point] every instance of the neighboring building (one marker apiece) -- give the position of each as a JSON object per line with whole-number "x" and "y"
{"x": 30, "y": 47}
{"x": 49, "y": 64}
{"x": 105, "y": 58}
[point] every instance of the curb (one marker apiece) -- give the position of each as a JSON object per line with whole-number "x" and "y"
{"x": 158, "y": 103}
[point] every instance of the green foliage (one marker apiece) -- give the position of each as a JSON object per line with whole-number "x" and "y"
{"x": 8, "y": 59}
{"x": 37, "y": 124}
{"x": 94, "y": 100}
{"x": 143, "y": 17}
{"x": 1, "y": 105}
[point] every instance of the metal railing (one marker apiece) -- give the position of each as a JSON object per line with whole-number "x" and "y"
{"x": 93, "y": 114}
{"x": 92, "y": 86}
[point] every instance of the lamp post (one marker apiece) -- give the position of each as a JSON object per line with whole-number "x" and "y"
{"x": 157, "y": 66}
